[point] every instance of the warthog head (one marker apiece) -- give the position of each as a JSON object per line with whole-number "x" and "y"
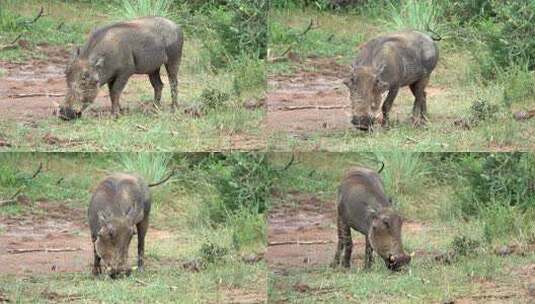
{"x": 385, "y": 238}
{"x": 365, "y": 93}
{"x": 113, "y": 241}
{"x": 82, "y": 82}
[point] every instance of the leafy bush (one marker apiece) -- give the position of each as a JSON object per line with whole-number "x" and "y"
{"x": 247, "y": 229}
{"x": 497, "y": 178}
{"x": 239, "y": 27}
{"x": 503, "y": 221}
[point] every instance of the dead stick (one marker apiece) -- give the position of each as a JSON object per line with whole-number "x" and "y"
{"x": 36, "y": 95}
{"x": 38, "y": 170}
{"x": 7, "y": 202}
{"x": 299, "y": 243}
{"x": 293, "y": 108}
{"x": 15, "y": 40}
{"x": 141, "y": 282}
{"x": 38, "y": 15}
{"x": 17, "y": 251}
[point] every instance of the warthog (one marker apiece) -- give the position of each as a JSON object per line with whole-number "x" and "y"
{"x": 363, "y": 206}
{"x": 114, "y": 53}
{"x": 388, "y": 63}
{"x": 120, "y": 203}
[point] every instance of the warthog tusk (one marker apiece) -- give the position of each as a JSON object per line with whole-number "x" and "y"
{"x": 392, "y": 258}
{"x": 412, "y": 254}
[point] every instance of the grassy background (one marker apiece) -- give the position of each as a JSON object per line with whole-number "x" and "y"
{"x": 183, "y": 207}
{"x": 446, "y": 194}
{"x": 470, "y": 72}
{"x": 215, "y": 82}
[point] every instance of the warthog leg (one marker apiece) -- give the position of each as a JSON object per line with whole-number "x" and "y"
{"x": 387, "y": 104}
{"x": 368, "y": 254}
{"x": 157, "y": 84}
{"x": 142, "y": 228}
{"x": 340, "y": 246}
{"x": 172, "y": 72}
{"x": 419, "y": 110}
{"x": 116, "y": 87}
{"x": 97, "y": 269}
{"x": 348, "y": 245}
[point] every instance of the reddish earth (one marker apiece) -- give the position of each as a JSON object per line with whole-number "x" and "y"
{"x": 51, "y": 225}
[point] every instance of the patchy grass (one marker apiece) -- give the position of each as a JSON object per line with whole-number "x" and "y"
{"x": 454, "y": 86}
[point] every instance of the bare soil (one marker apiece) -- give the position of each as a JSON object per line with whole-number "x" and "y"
{"x": 51, "y": 225}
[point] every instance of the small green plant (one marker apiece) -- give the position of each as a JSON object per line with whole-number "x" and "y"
{"x": 420, "y": 15}
{"x": 212, "y": 99}
{"x": 152, "y": 166}
{"x": 464, "y": 245}
{"x": 482, "y": 110}
{"x": 211, "y": 252}
{"x": 248, "y": 228}
{"x": 130, "y": 9}
{"x": 404, "y": 173}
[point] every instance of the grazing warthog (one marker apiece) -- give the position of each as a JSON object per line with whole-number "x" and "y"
{"x": 114, "y": 53}
{"x": 363, "y": 206}
{"x": 388, "y": 63}
{"x": 120, "y": 204}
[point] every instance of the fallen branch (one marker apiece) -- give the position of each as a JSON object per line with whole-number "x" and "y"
{"x": 305, "y": 107}
{"x": 39, "y": 15}
{"x": 141, "y": 282}
{"x": 38, "y": 170}
{"x": 12, "y": 45}
{"x": 18, "y": 251}
{"x": 7, "y": 202}
{"x": 299, "y": 243}
{"x": 36, "y": 95}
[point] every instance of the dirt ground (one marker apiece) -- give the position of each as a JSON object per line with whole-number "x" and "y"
{"x": 311, "y": 219}
{"x": 51, "y": 225}
{"x": 315, "y": 100}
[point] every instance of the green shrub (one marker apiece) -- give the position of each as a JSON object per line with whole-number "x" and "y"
{"x": 236, "y": 28}
{"x": 249, "y": 75}
{"x": 519, "y": 84}
{"x": 497, "y": 178}
{"x": 243, "y": 181}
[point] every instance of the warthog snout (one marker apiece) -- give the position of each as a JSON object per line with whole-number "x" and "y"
{"x": 395, "y": 263}
{"x": 363, "y": 123}
{"x": 117, "y": 273}
{"x": 67, "y": 113}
